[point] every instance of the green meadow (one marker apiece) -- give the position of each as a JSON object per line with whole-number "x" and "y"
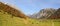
{"x": 9, "y": 20}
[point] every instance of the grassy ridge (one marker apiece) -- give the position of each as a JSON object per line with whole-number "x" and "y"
{"x": 9, "y": 20}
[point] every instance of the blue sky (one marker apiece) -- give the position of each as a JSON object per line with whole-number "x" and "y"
{"x": 33, "y": 6}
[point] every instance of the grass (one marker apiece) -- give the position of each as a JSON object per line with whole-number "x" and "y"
{"x": 7, "y": 20}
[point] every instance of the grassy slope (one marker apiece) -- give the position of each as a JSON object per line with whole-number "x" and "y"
{"x": 7, "y": 20}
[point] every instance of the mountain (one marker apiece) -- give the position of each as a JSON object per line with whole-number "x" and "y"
{"x": 44, "y": 13}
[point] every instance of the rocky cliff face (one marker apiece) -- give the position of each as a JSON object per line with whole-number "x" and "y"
{"x": 56, "y": 15}
{"x": 44, "y": 13}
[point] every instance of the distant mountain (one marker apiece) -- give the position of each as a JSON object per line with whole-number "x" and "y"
{"x": 44, "y": 13}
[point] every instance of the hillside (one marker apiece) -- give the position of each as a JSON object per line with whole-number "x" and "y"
{"x": 13, "y": 11}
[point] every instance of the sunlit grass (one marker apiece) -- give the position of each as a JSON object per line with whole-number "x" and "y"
{"x": 9, "y": 20}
